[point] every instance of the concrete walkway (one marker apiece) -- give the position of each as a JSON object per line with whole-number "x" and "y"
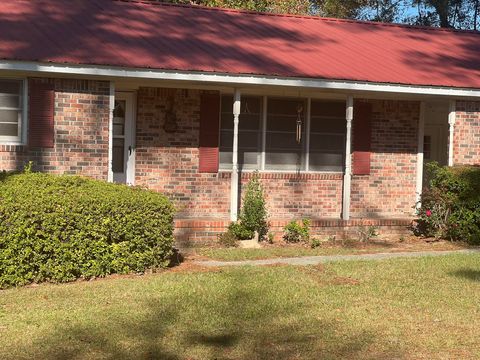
{"x": 314, "y": 260}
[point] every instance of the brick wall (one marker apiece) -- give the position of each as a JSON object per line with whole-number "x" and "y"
{"x": 81, "y": 133}
{"x": 389, "y": 191}
{"x": 467, "y": 133}
{"x": 301, "y": 195}
{"x": 168, "y": 161}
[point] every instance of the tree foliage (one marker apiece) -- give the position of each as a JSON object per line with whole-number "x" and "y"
{"x": 460, "y": 14}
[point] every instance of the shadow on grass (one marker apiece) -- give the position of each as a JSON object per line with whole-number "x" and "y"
{"x": 234, "y": 321}
{"x": 469, "y": 274}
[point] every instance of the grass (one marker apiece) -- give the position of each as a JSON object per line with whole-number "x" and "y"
{"x": 352, "y": 248}
{"x": 425, "y": 308}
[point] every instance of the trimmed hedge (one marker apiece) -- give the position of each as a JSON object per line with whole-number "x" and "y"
{"x": 451, "y": 203}
{"x": 60, "y": 228}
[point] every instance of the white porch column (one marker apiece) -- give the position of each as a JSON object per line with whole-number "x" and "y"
{"x": 234, "y": 180}
{"x": 347, "y": 179}
{"x": 421, "y": 134}
{"x": 451, "y": 123}
{"x": 111, "y": 107}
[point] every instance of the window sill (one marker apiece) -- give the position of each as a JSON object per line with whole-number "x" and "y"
{"x": 269, "y": 175}
{"x": 11, "y": 147}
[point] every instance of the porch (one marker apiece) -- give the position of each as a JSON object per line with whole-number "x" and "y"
{"x": 317, "y": 156}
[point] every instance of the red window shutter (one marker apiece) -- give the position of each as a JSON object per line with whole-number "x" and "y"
{"x": 209, "y": 133}
{"x": 362, "y": 138}
{"x": 41, "y": 113}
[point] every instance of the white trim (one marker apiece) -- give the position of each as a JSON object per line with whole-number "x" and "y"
{"x": 222, "y": 78}
{"x": 451, "y": 123}
{"x": 234, "y": 180}
{"x": 420, "y": 139}
{"x": 347, "y": 178}
{"x": 292, "y": 172}
{"x": 111, "y": 107}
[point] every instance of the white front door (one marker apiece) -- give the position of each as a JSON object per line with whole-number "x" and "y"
{"x": 123, "y": 147}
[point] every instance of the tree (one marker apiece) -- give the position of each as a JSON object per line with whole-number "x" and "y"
{"x": 275, "y": 6}
{"x": 460, "y": 14}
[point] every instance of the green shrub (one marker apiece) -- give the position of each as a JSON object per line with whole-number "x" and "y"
{"x": 367, "y": 233}
{"x": 240, "y": 232}
{"x": 315, "y": 243}
{"x": 295, "y": 232}
{"x": 253, "y": 216}
{"x": 60, "y": 228}
{"x": 451, "y": 204}
{"x": 228, "y": 239}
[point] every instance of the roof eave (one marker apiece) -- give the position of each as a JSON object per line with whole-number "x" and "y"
{"x": 234, "y": 80}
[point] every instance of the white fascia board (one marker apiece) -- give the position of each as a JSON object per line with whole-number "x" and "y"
{"x": 231, "y": 79}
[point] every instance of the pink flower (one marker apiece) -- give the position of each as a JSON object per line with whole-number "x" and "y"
{"x": 428, "y": 213}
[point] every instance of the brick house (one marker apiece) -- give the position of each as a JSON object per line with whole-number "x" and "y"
{"x": 338, "y": 117}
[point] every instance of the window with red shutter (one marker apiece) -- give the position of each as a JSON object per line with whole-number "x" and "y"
{"x": 41, "y": 114}
{"x": 209, "y": 133}
{"x": 362, "y": 138}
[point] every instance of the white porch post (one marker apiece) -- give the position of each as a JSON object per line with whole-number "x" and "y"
{"x": 234, "y": 183}
{"x": 347, "y": 179}
{"x": 110, "y": 130}
{"x": 451, "y": 123}
{"x": 421, "y": 134}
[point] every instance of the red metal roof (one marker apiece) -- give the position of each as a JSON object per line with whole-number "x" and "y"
{"x": 191, "y": 38}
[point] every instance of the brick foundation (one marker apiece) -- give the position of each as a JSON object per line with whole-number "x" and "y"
{"x": 197, "y": 233}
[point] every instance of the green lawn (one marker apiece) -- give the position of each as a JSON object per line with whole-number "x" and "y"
{"x": 426, "y": 308}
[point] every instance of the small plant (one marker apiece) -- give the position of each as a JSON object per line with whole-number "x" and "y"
{"x": 240, "y": 231}
{"x": 365, "y": 234}
{"x": 315, "y": 243}
{"x": 227, "y": 239}
{"x": 295, "y": 232}
{"x": 28, "y": 168}
{"x": 271, "y": 237}
{"x": 253, "y": 216}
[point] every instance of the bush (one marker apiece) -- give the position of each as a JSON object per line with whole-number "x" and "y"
{"x": 295, "y": 232}
{"x": 228, "y": 239}
{"x": 253, "y": 216}
{"x": 240, "y": 232}
{"x": 315, "y": 243}
{"x": 451, "y": 204}
{"x": 365, "y": 234}
{"x": 60, "y": 228}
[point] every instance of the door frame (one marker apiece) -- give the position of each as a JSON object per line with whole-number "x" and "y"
{"x": 130, "y": 135}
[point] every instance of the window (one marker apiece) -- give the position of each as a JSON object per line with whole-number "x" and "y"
{"x": 327, "y": 135}
{"x": 285, "y": 134}
{"x": 11, "y": 110}
{"x": 287, "y": 144}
